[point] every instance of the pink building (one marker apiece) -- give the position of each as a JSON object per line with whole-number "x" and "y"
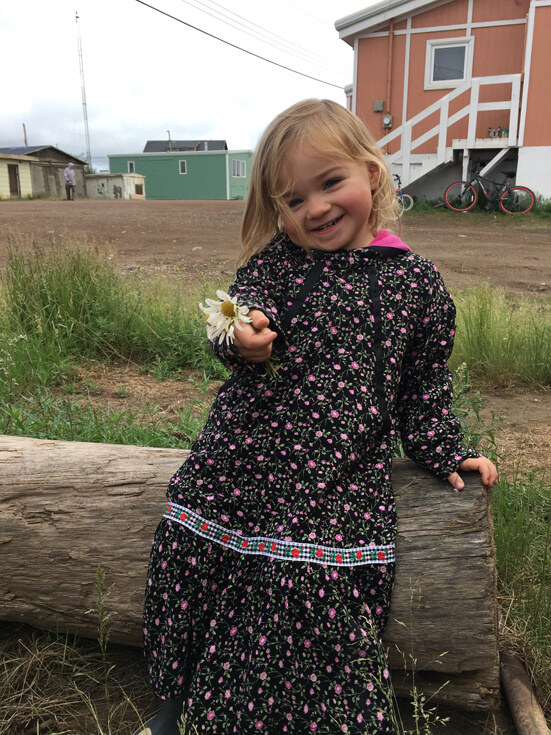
{"x": 450, "y": 85}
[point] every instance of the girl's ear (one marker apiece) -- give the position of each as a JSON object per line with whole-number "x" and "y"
{"x": 374, "y": 176}
{"x": 375, "y": 171}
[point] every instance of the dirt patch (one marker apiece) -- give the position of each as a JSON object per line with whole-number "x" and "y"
{"x": 203, "y": 239}
{"x": 524, "y": 434}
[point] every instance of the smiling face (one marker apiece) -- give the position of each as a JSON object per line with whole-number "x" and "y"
{"x": 329, "y": 198}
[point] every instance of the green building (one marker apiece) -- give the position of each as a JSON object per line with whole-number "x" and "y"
{"x": 188, "y": 170}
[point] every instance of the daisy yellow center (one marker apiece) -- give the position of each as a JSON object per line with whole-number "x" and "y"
{"x": 228, "y": 309}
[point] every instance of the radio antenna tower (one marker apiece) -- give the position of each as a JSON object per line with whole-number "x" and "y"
{"x": 83, "y": 88}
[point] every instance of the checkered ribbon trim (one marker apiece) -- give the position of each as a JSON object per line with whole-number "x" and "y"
{"x": 276, "y": 548}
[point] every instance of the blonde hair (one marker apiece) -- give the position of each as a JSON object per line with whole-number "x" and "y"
{"x": 329, "y": 128}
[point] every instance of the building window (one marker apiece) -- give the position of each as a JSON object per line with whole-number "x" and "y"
{"x": 139, "y": 189}
{"x": 131, "y": 167}
{"x": 448, "y": 63}
{"x": 183, "y": 167}
{"x": 238, "y": 169}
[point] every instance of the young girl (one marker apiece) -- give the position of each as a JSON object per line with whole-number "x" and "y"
{"x": 272, "y": 569}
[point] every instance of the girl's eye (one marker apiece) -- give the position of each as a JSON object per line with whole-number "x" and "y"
{"x": 294, "y": 203}
{"x": 331, "y": 182}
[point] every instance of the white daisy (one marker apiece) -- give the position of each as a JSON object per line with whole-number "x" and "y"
{"x": 223, "y": 316}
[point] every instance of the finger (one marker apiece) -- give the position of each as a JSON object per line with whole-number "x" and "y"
{"x": 253, "y": 340}
{"x": 456, "y": 481}
{"x": 489, "y": 477}
{"x": 259, "y": 319}
{"x": 256, "y": 353}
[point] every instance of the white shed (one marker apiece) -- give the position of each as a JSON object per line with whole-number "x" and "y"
{"x": 115, "y": 186}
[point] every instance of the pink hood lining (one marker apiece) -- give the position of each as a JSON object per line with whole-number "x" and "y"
{"x": 386, "y": 239}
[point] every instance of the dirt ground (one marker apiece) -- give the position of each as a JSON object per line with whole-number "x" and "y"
{"x": 202, "y": 239}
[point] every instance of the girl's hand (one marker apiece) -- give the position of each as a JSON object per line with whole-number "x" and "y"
{"x": 254, "y": 341}
{"x": 487, "y": 469}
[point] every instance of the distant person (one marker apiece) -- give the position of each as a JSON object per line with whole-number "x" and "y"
{"x": 70, "y": 182}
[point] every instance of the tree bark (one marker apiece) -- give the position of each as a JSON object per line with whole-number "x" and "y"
{"x": 68, "y": 507}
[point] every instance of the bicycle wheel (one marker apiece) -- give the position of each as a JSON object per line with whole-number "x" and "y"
{"x": 407, "y": 202}
{"x": 517, "y": 200}
{"x": 399, "y": 204}
{"x": 460, "y": 196}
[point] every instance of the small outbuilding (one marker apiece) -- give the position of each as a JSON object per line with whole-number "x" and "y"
{"x": 115, "y": 186}
{"x": 46, "y": 169}
{"x": 15, "y": 175}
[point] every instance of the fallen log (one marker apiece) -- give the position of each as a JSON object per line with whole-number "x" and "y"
{"x": 527, "y": 714}
{"x": 60, "y": 518}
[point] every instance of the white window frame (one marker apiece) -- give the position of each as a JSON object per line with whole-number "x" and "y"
{"x": 131, "y": 167}
{"x": 238, "y": 169}
{"x": 468, "y": 43}
{"x": 184, "y": 161}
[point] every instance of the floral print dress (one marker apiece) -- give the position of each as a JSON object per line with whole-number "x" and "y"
{"x": 271, "y": 571}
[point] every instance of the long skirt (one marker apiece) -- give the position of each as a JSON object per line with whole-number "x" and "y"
{"x": 261, "y": 645}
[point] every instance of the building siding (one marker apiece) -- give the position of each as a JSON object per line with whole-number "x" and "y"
{"x": 489, "y": 10}
{"x": 538, "y": 109}
{"x": 451, "y": 13}
{"x": 371, "y": 87}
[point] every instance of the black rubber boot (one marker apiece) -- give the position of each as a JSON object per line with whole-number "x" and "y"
{"x": 166, "y": 722}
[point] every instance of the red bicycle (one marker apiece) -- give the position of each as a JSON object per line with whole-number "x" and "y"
{"x": 461, "y": 196}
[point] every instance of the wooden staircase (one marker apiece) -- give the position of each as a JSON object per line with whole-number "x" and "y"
{"x": 469, "y": 145}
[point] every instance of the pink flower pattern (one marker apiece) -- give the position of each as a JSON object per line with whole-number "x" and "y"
{"x": 285, "y": 643}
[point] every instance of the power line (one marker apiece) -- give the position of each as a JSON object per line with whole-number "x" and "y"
{"x": 283, "y": 43}
{"x": 239, "y": 48}
{"x": 248, "y": 31}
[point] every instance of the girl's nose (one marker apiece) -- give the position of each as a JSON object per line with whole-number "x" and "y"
{"x": 317, "y": 207}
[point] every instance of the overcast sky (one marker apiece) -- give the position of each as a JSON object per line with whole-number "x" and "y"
{"x": 146, "y": 74}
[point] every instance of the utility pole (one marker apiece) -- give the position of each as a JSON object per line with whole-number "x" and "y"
{"x": 83, "y": 87}
{"x": 25, "y": 135}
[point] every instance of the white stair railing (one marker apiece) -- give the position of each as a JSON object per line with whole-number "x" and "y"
{"x": 471, "y": 109}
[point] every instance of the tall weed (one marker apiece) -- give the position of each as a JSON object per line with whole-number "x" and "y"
{"x": 503, "y": 341}
{"x": 72, "y": 302}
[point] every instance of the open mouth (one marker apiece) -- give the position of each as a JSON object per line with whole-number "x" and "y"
{"x": 328, "y": 224}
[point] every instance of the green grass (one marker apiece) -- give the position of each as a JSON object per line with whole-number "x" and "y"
{"x": 522, "y": 520}
{"x": 504, "y": 341}
{"x": 63, "y": 304}
{"x": 46, "y": 416}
